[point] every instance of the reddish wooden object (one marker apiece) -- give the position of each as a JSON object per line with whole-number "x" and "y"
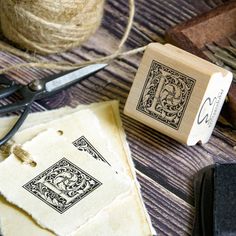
{"x": 213, "y": 26}
{"x": 209, "y": 27}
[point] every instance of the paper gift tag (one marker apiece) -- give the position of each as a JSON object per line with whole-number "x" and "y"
{"x": 65, "y": 189}
{"x": 89, "y": 131}
{"x": 14, "y": 222}
{"x": 125, "y": 217}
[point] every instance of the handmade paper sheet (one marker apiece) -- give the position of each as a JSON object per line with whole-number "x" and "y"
{"x": 65, "y": 189}
{"x": 128, "y": 217}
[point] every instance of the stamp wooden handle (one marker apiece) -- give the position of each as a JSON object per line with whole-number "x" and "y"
{"x": 177, "y": 93}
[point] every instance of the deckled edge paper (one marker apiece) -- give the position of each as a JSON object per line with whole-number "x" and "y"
{"x": 16, "y": 222}
{"x": 53, "y": 178}
{"x": 1, "y": 223}
{"x": 84, "y": 129}
{"x": 128, "y": 163}
{"x": 6, "y": 123}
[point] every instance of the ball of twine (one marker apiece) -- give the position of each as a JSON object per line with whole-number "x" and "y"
{"x": 32, "y": 61}
{"x": 50, "y": 26}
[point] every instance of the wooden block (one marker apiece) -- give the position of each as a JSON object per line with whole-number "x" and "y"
{"x": 213, "y": 26}
{"x": 177, "y": 93}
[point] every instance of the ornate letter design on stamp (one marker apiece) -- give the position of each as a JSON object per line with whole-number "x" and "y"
{"x": 165, "y": 94}
{"x": 62, "y": 185}
{"x": 82, "y": 144}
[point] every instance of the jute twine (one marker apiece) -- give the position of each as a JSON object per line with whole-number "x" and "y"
{"x": 32, "y": 61}
{"x": 23, "y": 156}
{"x": 50, "y": 26}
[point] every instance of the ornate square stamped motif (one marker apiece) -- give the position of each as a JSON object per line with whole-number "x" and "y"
{"x": 62, "y": 185}
{"x": 83, "y": 145}
{"x": 165, "y": 94}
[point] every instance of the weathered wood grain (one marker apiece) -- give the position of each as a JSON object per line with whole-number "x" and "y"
{"x": 166, "y": 167}
{"x": 164, "y": 206}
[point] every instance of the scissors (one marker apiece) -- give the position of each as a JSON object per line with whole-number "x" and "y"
{"x": 38, "y": 89}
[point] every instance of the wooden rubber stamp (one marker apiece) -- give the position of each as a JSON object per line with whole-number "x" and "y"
{"x": 177, "y": 93}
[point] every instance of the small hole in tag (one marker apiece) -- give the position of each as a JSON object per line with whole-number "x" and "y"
{"x": 199, "y": 142}
{"x": 60, "y": 132}
{"x": 33, "y": 164}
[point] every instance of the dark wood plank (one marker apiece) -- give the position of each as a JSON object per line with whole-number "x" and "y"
{"x": 170, "y": 215}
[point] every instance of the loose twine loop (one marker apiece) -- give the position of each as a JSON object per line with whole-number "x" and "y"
{"x": 50, "y": 26}
{"x": 32, "y": 61}
{"x": 22, "y": 155}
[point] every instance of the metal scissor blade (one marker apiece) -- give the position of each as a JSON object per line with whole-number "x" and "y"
{"x": 71, "y": 77}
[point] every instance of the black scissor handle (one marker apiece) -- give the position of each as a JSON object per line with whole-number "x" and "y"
{"x": 22, "y": 105}
{"x": 17, "y": 125}
{"x": 14, "y": 106}
{"x": 5, "y": 81}
{"x": 8, "y": 87}
{"x": 5, "y": 92}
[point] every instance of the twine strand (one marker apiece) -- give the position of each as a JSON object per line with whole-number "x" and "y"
{"x": 129, "y": 25}
{"x": 6, "y": 149}
{"x": 11, "y": 148}
{"x": 23, "y": 155}
{"x": 15, "y": 51}
{"x": 70, "y": 66}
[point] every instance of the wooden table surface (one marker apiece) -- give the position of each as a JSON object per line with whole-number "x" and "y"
{"x": 165, "y": 168}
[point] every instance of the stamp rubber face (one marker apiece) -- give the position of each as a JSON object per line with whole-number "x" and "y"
{"x": 62, "y": 185}
{"x": 165, "y": 94}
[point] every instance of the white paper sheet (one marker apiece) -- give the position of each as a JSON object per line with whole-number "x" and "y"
{"x": 68, "y": 187}
{"x": 128, "y": 217}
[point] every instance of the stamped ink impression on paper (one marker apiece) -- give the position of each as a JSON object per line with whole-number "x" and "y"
{"x": 82, "y": 144}
{"x": 62, "y": 185}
